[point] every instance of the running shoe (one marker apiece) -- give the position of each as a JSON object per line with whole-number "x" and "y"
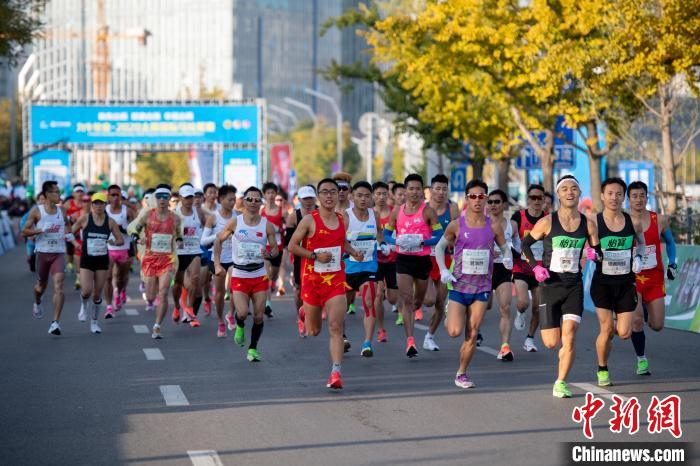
{"x": 239, "y": 336}
{"x": 176, "y": 315}
{"x": 394, "y": 308}
{"x": 519, "y": 322}
{"x": 643, "y": 367}
{"x": 301, "y": 313}
{"x": 189, "y": 312}
{"x": 301, "y": 327}
{"x": 183, "y": 298}
{"x": 419, "y": 314}
{"x": 37, "y": 311}
{"x": 479, "y": 339}
{"x": 221, "y": 331}
{"x": 109, "y": 312}
{"x": 463, "y": 381}
{"x": 281, "y": 291}
{"x": 70, "y": 268}
{"x": 227, "y": 295}
{"x": 122, "y": 296}
{"x": 150, "y": 307}
{"x": 253, "y": 355}
{"x": 334, "y": 381}
{"x": 529, "y": 345}
{"x": 230, "y": 322}
{"x": 117, "y": 299}
{"x": 142, "y": 287}
{"x": 367, "y": 350}
{"x": 346, "y": 344}
{"x": 268, "y": 311}
{"x": 143, "y": 296}
{"x": 381, "y": 336}
{"x": 76, "y": 285}
{"x": 560, "y": 390}
{"x": 194, "y": 323}
{"x": 94, "y": 328}
{"x": 399, "y": 319}
{"x": 505, "y": 354}
{"x": 429, "y": 344}
{"x": 604, "y": 379}
{"x": 351, "y": 308}
{"x": 155, "y": 334}
{"x": 54, "y": 328}
{"x": 207, "y": 307}
{"x": 411, "y": 350}
{"x": 82, "y": 315}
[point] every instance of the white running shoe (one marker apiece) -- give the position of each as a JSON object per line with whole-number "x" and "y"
{"x": 429, "y": 344}
{"x": 156, "y": 332}
{"x": 529, "y": 345}
{"x": 37, "y": 311}
{"x": 519, "y": 322}
{"x": 82, "y": 315}
{"x": 54, "y": 328}
{"x": 94, "y": 328}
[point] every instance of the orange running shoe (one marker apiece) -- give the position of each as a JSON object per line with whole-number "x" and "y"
{"x": 176, "y": 315}
{"x": 334, "y": 381}
{"x": 302, "y": 328}
{"x": 381, "y": 336}
{"x": 207, "y": 307}
{"x": 190, "y": 313}
{"x": 411, "y": 350}
{"x": 194, "y": 322}
{"x": 419, "y": 314}
{"x": 183, "y": 298}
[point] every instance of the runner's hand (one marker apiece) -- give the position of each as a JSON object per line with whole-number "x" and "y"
{"x": 672, "y": 271}
{"x": 401, "y": 242}
{"x": 637, "y": 264}
{"x": 541, "y": 274}
{"x": 179, "y": 244}
{"x": 447, "y": 277}
{"x": 384, "y": 249}
{"x": 324, "y": 257}
{"x": 218, "y": 270}
{"x": 508, "y": 263}
{"x": 591, "y": 255}
{"x": 110, "y": 242}
{"x": 357, "y": 255}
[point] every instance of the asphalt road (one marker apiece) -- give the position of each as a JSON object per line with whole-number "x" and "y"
{"x": 83, "y": 399}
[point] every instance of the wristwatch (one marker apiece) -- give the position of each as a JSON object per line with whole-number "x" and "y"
{"x": 312, "y": 256}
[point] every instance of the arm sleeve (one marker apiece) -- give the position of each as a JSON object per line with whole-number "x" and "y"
{"x": 440, "y": 253}
{"x": 207, "y": 237}
{"x": 389, "y": 235}
{"x": 435, "y": 236}
{"x": 670, "y": 245}
{"x": 288, "y": 232}
{"x": 528, "y": 241}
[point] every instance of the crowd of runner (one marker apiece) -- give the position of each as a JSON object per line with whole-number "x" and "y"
{"x": 383, "y": 243}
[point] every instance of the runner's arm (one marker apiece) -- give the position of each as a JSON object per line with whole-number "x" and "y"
{"x": 114, "y": 228}
{"x": 272, "y": 240}
{"x": 299, "y": 234}
{"x": 32, "y": 219}
{"x": 138, "y": 223}
{"x": 446, "y": 240}
{"x": 517, "y": 247}
{"x": 667, "y": 236}
{"x": 380, "y": 233}
{"x": 539, "y": 231}
{"x": 80, "y": 223}
{"x": 208, "y": 237}
{"x": 390, "y": 227}
{"x": 454, "y": 211}
{"x": 431, "y": 219}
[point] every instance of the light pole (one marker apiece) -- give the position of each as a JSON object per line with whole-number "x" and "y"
{"x": 285, "y": 112}
{"x": 338, "y": 123}
{"x": 303, "y": 106}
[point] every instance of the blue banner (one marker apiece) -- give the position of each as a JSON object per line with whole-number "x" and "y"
{"x": 51, "y": 165}
{"x": 240, "y": 168}
{"x": 87, "y": 124}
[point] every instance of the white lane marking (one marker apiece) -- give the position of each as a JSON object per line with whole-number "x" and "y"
{"x": 485, "y": 349}
{"x": 153, "y": 354}
{"x": 131, "y": 312}
{"x": 173, "y": 395}
{"x": 589, "y": 387}
{"x": 141, "y": 329}
{"x": 204, "y": 458}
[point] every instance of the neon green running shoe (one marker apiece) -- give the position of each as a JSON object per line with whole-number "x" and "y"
{"x": 351, "y": 308}
{"x": 560, "y": 390}
{"x": 239, "y": 336}
{"x": 604, "y": 379}
{"x": 643, "y": 367}
{"x": 253, "y": 355}
{"x": 399, "y": 319}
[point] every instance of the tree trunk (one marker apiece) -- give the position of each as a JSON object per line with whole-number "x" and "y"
{"x": 668, "y": 167}
{"x": 477, "y": 167}
{"x": 503, "y": 168}
{"x": 594, "y": 162}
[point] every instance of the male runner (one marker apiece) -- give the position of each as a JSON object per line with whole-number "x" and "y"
{"x": 650, "y": 281}
{"x": 250, "y": 233}
{"x": 564, "y": 233}
{"x": 344, "y": 181}
{"x": 548, "y": 202}
{"x": 74, "y": 209}
{"x": 96, "y": 228}
{"x": 386, "y": 267}
{"x": 48, "y": 223}
{"x": 523, "y": 276}
{"x": 275, "y": 215}
{"x": 119, "y": 264}
{"x": 446, "y": 212}
{"x": 320, "y": 240}
{"x": 417, "y": 228}
{"x": 612, "y": 288}
{"x": 209, "y": 206}
{"x": 472, "y": 235}
{"x": 398, "y": 196}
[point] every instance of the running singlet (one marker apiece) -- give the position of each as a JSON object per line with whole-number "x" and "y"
{"x": 122, "y": 221}
{"x": 53, "y": 240}
{"x": 652, "y": 265}
{"x": 73, "y": 210}
{"x": 160, "y": 234}
{"x": 95, "y": 237}
{"x": 191, "y": 233}
{"x": 562, "y": 251}
{"x": 276, "y": 221}
{"x": 413, "y": 225}
{"x": 616, "y": 265}
{"x": 248, "y": 243}
{"x": 525, "y": 225}
{"x": 362, "y": 236}
{"x": 226, "y": 251}
{"x": 473, "y": 258}
{"x": 325, "y": 240}
{"x": 444, "y": 219}
{"x": 508, "y": 233}
{"x": 381, "y": 258}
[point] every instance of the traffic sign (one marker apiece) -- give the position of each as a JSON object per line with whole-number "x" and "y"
{"x": 458, "y": 178}
{"x": 564, "y": 157}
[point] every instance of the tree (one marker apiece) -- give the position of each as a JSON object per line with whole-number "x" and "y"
{"x": 19, "y": 25}
{"x": 162, "y": 167}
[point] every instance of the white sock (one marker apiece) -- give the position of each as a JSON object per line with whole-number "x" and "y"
{"x": 429, "y": 336}
{"x": 641, "y": 358}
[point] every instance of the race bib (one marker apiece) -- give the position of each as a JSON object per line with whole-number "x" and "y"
{"x": 191, "y": 243}
{"x": 649, "y": 257}
{"x": 565, "y": 260}
{"x": 366, "y": 247}
{"x": 97, "y": 247}
{"x": 162, "y": 243}
{"x": 333, "y": 265}
{"x": 616, "y": 262}
{"x": 537, "y": 249}
{"x": 248, "y": 253}
{"x": 475, "y": 261}
{"x": 418, "y": 248}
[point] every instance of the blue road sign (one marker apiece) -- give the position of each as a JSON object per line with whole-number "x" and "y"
{"x": 564, "y": 157}
{"x": 458, "y": 178}
{"x": 639, "y": 170}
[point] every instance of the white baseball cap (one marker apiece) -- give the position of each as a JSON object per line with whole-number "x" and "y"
{"x": 306, "y": 192}
{"x": 186, "y": 191}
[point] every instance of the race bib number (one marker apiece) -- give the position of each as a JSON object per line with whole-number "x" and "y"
{"x": 565, "y": 260}
{"x": 191, "y": 243}
{"x": 649, "y": 257}
{"x": 97, "y": 246}
{"x": 248, "y": 253}
{"x": 366, "y": 247}
{"x": 537, "y": 249}
{"x": 333, "y": 265}
{"x": 418, "y": 248}
{"x": 616, "y": 262}
{"x": 475, "y": 261}
{"x": 162, "y": 243}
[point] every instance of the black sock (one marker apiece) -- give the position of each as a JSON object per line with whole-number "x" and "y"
{"x": 240, "y": 322}
{"x": 530, "y": 336}
{"x": 639, "y": 342}
{"x": 255, "y": 334}
{"x": 602, "y": 368}
{"x": 195, "y": 305}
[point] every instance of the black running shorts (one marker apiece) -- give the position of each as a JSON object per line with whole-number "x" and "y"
{"x": 386, "y": 272}
{"x": 500, "y": 275}
{"x": 617, "y": 297}
{"x": 527, "y": 278}
{"x": 417, "y": 267}
{"x": 558, "y": 299}
{"x": 184, "y": 261}
{"x": 355, "y": 280}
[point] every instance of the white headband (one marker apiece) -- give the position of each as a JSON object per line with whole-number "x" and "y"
{"x": 162, "y": 191}
{"x": 566, "y": 179}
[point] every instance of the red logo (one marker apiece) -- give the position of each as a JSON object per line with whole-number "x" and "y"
{"x": 258, "y": 234}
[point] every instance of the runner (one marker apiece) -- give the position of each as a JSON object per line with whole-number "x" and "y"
{"x": 417, "y": 228}
{"x": 523, "y": 276}
{"x": 307, "y": 196}
{"x": 209, "y": 206}
{"x": 502, "y": 278}
{"x": 612, "y": 288}
{"x": 275, "y": 215}
{"x": 48, "y": 223}
{"x": 344, "y": 181}
{"x": 96, "y": 229}
{"x": 548, "y": 202}
{"x": 398, "y": 194}
{"x": 363, "y": 235}
{"x": 215, "y": 225}
{"x": 650, "y": 281}
{"x": 211, "y": 193}
{"x": 74, "y": 208}
{"x": 472, "y": 235}
{"x": 323, "y": 271}
{"x": 446, "y": 212}
{"x": 281, "y": 200}
{"x": 189, "y": 259}
{"x": 250, "y": 233}
{"x": 387, "y": 287}
{"x": 30, "y": 243}
{"x": 564, "y": 233}
{"x": 119, "y": 262}
{"x": 162, "y": 229}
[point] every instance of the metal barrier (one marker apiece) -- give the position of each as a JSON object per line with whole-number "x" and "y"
{"x": 7, "y": 236}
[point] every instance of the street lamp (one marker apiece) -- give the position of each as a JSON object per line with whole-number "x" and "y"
{"x": 285, "y": 112}
{"x": 338, "y": 123}
{"x": 303, "y": 106}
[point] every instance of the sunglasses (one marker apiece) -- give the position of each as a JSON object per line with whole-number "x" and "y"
{"x": 344, "y": 188}
{"x": 494, "y": 201}
{"x": 163, "y": 197}
{"x": 536, "y": 198}
{"x": 252, "y": 200}
{"x": 473, "y": 196}
{"x": 328, "y": 192}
